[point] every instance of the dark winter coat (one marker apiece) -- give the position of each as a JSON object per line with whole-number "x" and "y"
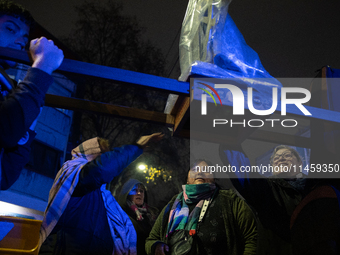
{"x": 238, "y": 225}
{"x": 17, "y": 113}
{"x": 273, "y": 201}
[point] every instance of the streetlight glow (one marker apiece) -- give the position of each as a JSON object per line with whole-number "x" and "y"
{"x": 142, "y": 167}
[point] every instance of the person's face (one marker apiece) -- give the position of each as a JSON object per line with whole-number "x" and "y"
{"x": 13, "y": 34}
{"x": 199, "y": 174}
{"x": 285, "y": 159}
{"x": 136, "y": 195}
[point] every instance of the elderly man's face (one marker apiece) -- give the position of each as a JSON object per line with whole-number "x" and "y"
{"x": 284, "y": 159}
{"x": 199, "y": 174}
{"x": 13, "y": 34}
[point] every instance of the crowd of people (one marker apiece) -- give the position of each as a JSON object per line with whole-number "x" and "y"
{"x": 280, "y": 215}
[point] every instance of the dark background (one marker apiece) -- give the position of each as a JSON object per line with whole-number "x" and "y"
{"x": 292, "y": 38}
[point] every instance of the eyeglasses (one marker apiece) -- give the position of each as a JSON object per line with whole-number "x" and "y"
{"x": 286, "y": 155}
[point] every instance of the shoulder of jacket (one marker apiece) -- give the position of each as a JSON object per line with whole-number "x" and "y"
{"x": 153, "y": 210}
{"x": 228, "y": 194}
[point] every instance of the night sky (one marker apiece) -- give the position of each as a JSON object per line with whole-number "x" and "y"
{"x": 292, "y": 38}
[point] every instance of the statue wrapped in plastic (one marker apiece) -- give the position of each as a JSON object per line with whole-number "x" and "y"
{"x": 212, "y": 46}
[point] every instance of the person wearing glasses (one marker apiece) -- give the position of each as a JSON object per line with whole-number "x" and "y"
{"x": 286, "y": 162}
{"x": 272, "y": 199}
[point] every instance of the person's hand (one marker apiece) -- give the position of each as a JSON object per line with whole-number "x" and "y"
{"x": 161, "y": 249}
{"x": 46, "y": 56}
{"x": 145, "y": 141}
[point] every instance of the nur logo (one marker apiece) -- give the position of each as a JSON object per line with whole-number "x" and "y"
{"x": 204, "y": 97}
{"x": 239, "y": 99}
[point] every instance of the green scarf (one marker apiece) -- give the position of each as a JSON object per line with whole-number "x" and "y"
{"x": 179, "y": 217}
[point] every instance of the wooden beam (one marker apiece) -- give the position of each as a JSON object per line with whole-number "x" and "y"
{"x": 109, "y": 109}
{"x": 173, "y": 86}
{"x": 182, "y": 116}
{"x": 110, "y": 73}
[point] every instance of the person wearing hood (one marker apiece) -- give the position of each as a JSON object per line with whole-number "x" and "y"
{"x": 82, "y": 217}
{"x": 133, "y": 200}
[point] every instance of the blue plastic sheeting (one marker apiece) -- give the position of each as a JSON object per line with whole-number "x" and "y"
{"x": 212, "y": 46}
{"x": 233, "y": 58}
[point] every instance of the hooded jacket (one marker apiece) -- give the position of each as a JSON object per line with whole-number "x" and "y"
{"x": 82, "y": 217}
{"x": 144, "y": 226}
